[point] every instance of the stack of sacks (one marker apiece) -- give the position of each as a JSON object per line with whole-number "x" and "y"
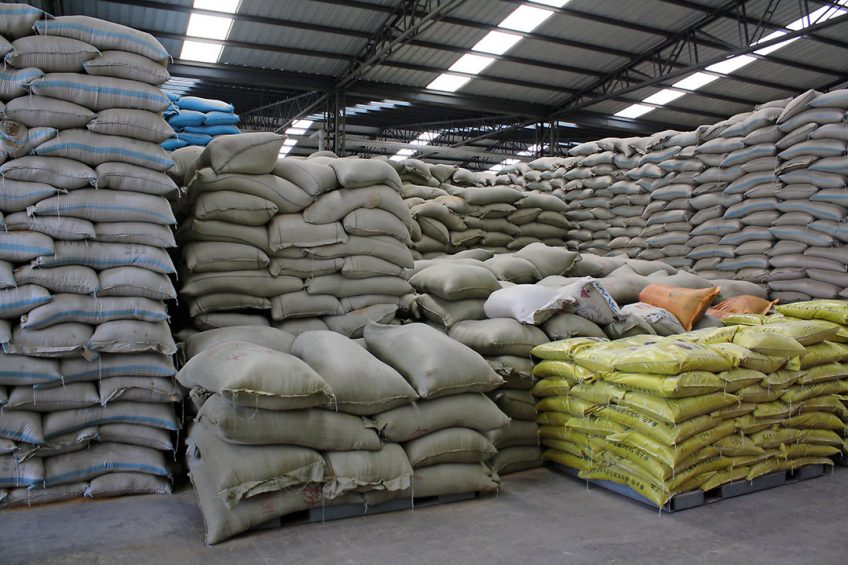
{"x": 262, "y": 447}
{"x": 443, "y": 432}
{"x": 197, "y": 121}
{"x": 607, "y": 193}
{"x": 312, "y": 439}
{"x": 695, "y": 411}
{"x": 834, "y": 311}
{"x": 729, "y": 240}
{"x": 320, "y": 242}
{"x": 86, "y": 343}
{"x": 809, "y": 222}
{"x": 458, "y": 210}
{"x": 544, "y": 174}
{"x": 798, "y": 407}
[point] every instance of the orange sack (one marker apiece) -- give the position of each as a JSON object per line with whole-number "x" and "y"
{"x": 687, "y": 304}
{"x": 744, "y": 304}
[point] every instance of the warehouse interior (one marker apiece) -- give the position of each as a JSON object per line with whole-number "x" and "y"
{"x": 423, "y": 280}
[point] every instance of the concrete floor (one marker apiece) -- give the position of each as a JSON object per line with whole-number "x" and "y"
{"x": 539, "y": 517}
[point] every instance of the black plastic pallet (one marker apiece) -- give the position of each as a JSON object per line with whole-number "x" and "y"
{"x": 696, "y": 498}
{"x": 342, "y": 511}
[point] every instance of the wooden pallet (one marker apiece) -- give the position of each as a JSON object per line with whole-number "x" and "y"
{"x": 696, "y": 498}
{"x": 319, "y": 515}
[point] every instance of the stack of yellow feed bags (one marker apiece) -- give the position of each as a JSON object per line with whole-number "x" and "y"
{"x": 698, "y": 410}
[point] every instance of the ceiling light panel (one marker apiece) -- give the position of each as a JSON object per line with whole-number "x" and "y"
{"x": 634, "y": 111}
{"x": 448, "y": 83}
{"x": 730, "y": 65}
{"x": 201, "y": 51}
{"x": 663, "y": 97}
{"x": 525, "y": 18}
{"x": 209, "y": 27}
{"x": 471, "y": 64}
{"x": 695, "y": 81}
{"x": 496, "y": 43}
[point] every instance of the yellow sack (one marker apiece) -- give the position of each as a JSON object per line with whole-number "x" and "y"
{"x": 750, "y": 424}
{"x": 793, "y": 464}
{"x": 713, "y": 464}
{"x": 774, "y": 437}
{"x": 820, "y": 437}
{"x": 564, "y": 434}
{"x": 744, "y": 320}
{"x": 823, "y": 353}
{"x": 709, "y": 335}
{"x": 724, "y": 476}
{"x": 748, "y": 460}
{"x": 738, "y": 378}
{"x": 824, "y": 373}
{"x": 568, "y": 459}
{"x": 566, "y": 404}
{"x": 782, "y": 379}
{"x": 829, "y": 403}
{"x": 551, "y": 386}
{"x": 693, "y": 383}
{"x": 800, "y": 450}
{"x": 650, "y": 465}
{"x": 603, "y": 354}
{"x": 629, "y": 467}
{"x": 766, "y": 467}
{"x": 660, "y": 431}
{"x": 594, "y": 426}
{"x": 758, "y": 393}
{"x": 598, "y": 392}
{"x": 799, "y": 393}
{"x": 566, "y": 446}
{"x": 646, "y": 489}
{"x": 768, "y": 341}
{"x": 568, "y": 370}
{"x": 805, "y": 332}
{"x": 669, "y": 357}
{"x": 677, "y": 410}
{"x": 734, "y": 411}
{"x": 563, "y": 350}
{"x": 677, "y": 457}
{"x": 841, "y": 336}
{"x": 552, "y": 418}
{"x": 747, "y": 359}
{"x": 737, "y": 445}
{"x": 831, "y": 310}
{"x": 818, "y": 421}
{"x": 774, "y": 410}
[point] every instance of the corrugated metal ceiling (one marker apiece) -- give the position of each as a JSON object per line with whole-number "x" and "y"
{"x": 468, "y": 23}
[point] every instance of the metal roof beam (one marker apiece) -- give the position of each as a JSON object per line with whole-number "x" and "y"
{"x": 744, "y": 19}
{"x": 612, "y": 87}
{"x": 287, "y": 81}
{"x": 418, "y": 43}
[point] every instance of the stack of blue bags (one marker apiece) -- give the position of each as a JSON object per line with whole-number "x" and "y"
{"x": 197, "y": 121}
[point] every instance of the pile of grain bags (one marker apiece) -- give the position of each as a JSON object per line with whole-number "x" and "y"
{"x": 442, "y": 433}
{"x": 316, "y": 243}
{"x": 819, "y": 381}
{"x": 694, "y": 411}
{"x": 403, "y": 418}
{"x": 197, "y": 121}
{"x": 458, "y": 210}
{"x": 86, "y": 368}
{"x": 496, "y": 308}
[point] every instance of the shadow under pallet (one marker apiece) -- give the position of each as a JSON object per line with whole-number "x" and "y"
{"x": 696, "y": 498}
{"x": 342, "y": 511}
